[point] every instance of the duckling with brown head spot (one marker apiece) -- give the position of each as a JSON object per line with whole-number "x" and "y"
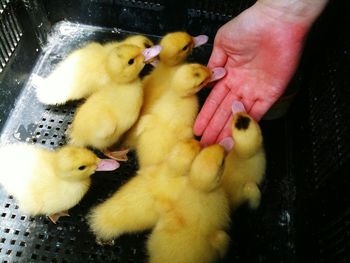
{"x": 246, "y": 163}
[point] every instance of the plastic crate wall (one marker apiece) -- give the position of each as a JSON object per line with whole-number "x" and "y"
{"x": 323, "y": 164}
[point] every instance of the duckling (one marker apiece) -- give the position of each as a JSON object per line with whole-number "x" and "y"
{"x": 176, "y": 47}
{"x": 171, "y": 118}
{"x": 48, "y": 182}
{"x": 109, "y": 113}
{"x": 192, "y": 228}
{"x": 82, "y": 73}
{"x": 245, "y": 164}
{"x": 132, "y": 207}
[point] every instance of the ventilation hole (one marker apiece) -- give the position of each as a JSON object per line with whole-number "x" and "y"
{"x": 64, "y": 111}
{"x": 37, "y": 246}
{"x": 57, "y": 129}
{"x": 54, "y": 260}
{"x": 10, "y": 196}
{"x": 55, "y": 110}
{"x": 52, "y": 143}
{"x": 40, "y": 126}
{"x": 13, "y": 216}
{"x": 9, "y": 252}
{"x": 34, "y": 256}
{"x": 57, "y": 249}
{"x": 44, "y": 258}
{"x": 23, "y": 217}
{"x": 22, "y": 244}
{"x": 6, "y": 230}
{"x": 16, "y": 232}
{"x": 55, "y": 135}
{"x": 43, "y": 119}
{"x": 2, "y": 240}
{"x": 41, "y": 236}
{"x": 32, "y": 219}
{"x": 47, "y": 109}
{"x": 19, "y": 253}
{"x": 60, "y": 121}
{"x": 60, "y": 144}
{"x": 26, "y": 234}
{"x": 3, "y": 214}
{"x": 16, "y": 207}
{"x": 47, "y": 248}
{"x": 38, "y": 133}
{"x": 13, "y": 242}
{"x": 7, "y": 205}
{"x": 67, "y": 251}
{"x": 35, "y": 140}
{"x": 69, "y": 123}
{"x": 49, "y": 127}
{"x": 63, "y": 137}
{"x": 46, "y": 134}
{"x": 43, "y": 142}
{"x": 60, "y": 239}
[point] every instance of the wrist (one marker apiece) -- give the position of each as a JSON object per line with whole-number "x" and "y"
{"x": 294, "y": 11}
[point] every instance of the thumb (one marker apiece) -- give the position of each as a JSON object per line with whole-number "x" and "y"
{"x": 218, "y": 57}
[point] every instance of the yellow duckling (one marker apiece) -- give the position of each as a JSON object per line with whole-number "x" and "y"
{"x": 171, "y": 117}
{"x": 110, "y": 112}
{"x": 192, "y": 227}
{"x": 46, "y": 182}
{"x": 132, "y": 207}
{"x": 245, "y": 164}
{"x": 83, "y": 72}
{"x": 176, "y": 47}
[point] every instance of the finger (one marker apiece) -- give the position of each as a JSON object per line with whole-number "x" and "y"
{"x": 226, "y": 131}
{"x": 259, "y": 108}
{"x": 211, "y": 104}
{"x": 217, "y": 58}
{"x": 218, "y": 121}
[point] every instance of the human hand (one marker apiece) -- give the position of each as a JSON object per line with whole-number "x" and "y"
{"x": 260, "y": 50}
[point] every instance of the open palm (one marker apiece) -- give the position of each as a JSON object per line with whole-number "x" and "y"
{"x": 260, "y": 53}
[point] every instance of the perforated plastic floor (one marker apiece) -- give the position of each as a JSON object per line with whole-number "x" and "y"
{"x": 265, "y": 235}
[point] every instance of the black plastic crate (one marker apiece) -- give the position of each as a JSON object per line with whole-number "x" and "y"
{"x": 304, "y": 215}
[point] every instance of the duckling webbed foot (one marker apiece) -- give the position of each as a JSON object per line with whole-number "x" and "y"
{"x": 120, "y": 155}
{"x": 54, "y": 217}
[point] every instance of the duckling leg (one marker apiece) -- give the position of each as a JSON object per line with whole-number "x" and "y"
{"x": 54, "y": 217}
{"x": 120, "y": 155}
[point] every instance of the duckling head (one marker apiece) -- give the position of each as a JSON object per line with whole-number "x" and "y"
{"x": 78, "y": 164}
{"x": 182, "y": 155}
{"x": 190, "y": 78}
{"x": 125, "y": 62}
{"x": 246, "y": 134}
{"x": 176, "y": 47}
{"x": 138, "y": 40}
{"x": 206, "y": 169}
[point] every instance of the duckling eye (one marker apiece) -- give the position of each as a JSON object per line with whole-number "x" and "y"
{"x": 131, "y": 61}
{"x": 82, "y": 167}
{"x": 185, "y": 47}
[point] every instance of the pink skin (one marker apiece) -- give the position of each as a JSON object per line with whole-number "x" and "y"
{"x": 259, "y": 50}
